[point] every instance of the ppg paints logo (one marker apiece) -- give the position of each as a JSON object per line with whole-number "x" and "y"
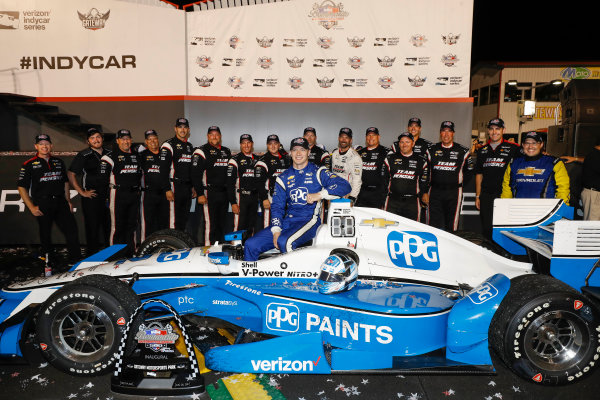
{"x": 283, "y": 317}
{"x": 417, "y": 250}
{"x": 483, "y": 293}
{"x": 299, "y": 195}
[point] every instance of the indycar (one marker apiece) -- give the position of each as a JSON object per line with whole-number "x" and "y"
{"x": 426, "y": 301}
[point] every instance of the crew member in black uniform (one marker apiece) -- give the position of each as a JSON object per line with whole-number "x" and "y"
{"x": 153, "y": 203}
{"x": 209, "y": 176}
{"x": 421, "y": 146}
{"x": 450, "y": 164}
{"x": 44, "y": 188}
{"x": 175, "y": 170}
{"x": 267, "y": 169}
{"x": 317, "y": 153}
{"x": 490, "y": 166}
{"x": 93, "y": 191}
{"x": 241, "y": 186}
{"x": 406, "y": 176}
{"x": 373, "y": 190}
{"x": 122, "y": 173}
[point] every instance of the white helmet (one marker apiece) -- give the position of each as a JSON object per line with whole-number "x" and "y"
{"x": 338, "y": 272}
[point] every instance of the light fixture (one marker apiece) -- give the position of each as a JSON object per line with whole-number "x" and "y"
{"x": 556, "y": 82}
{"x": 512, "y": 82}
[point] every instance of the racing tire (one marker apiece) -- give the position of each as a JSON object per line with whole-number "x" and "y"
{"x": 165, "y": 240}
{"x": 80, "y": 327}
{"x": 545, "y": 331}
{"x": 480, "y": 240}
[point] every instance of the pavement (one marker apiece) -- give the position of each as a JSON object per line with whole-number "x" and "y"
{"x": 39, "y": 380}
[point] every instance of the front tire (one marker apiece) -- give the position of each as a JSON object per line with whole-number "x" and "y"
{"x": 545, "y": 331}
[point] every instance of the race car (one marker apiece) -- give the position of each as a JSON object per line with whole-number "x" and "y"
{"x": 424, "y": 301}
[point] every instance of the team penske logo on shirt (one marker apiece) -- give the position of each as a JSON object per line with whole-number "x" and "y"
{"x": 530, "y": 171}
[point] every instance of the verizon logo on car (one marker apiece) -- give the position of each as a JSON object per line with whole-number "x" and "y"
{"x": 281, "y": 365}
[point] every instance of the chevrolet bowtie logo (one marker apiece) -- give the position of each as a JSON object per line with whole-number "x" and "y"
{"x": 378, "y": 222}
{"x": 530, "y": 171}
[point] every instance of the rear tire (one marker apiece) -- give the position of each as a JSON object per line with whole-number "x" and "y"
{"x": 165, "y": 240}
{"x": 545, "y": 331}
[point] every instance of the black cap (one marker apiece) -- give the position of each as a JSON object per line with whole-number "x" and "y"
{"x": 447, "y": 124}
{"x": 92, "y": 131}
{"x": 414, "y": 120}
{"x": 42, "y": 136}
{"x": 245, "y": 136}
{"x": 310, "y": 129}
{"x": 496, "y": 122}
{"x": 213, "y": 128}
{"x": 299, "y": 141}
{"x": 272, "y": 137}
{"x": 150, "y": 132}
{"x": 182, "y": 121}
{"x": 532, "y": 135}
{"x": 346, "y": 131}
{"x": 123, "y": 132}
{"x": 406, "y": 134}
{"x": 372, "y": 129}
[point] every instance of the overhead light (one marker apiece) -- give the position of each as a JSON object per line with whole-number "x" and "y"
{"x": 512, "y": 82}
{"x": 556, "y": 82}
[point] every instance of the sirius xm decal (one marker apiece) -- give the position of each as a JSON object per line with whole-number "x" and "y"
{"x": 417, "y": 250}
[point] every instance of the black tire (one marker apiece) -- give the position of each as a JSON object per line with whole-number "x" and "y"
{"x": 480, "y": 240}
{"x": 165, "y": 240}
{"x": 545, "y": 331}
{"x": 80, "y": 326}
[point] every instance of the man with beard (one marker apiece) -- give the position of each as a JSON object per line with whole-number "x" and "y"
{"x": 317, "y": 155}
{"x": 154, "y": 204}
{"x": 93, "y": 191}
{"x": 372, "y": 191}
{"x": 347, "y": 163}
{"x": 241, "y": 186}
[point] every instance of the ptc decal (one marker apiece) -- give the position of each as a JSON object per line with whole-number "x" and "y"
{"x": 417, "y": 250}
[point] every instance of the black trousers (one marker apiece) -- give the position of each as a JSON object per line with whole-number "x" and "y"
{"x": 246, "y": 219}
{"x": 404, "y": 206}
{"x": 486, "y": 213}
{"x": 444, "y": 208}
{"x": 215, "y": 216}
{"x": 371, "y": 198}
{"x": 124, "y": 210}
{"x": 56, "y": 210}
{"x": 96, "y": 216}
{"x": 179, "y": 209}
{"x": 154, "y": 209}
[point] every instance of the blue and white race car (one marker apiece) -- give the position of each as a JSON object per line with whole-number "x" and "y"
{"x": 425, "y": 300}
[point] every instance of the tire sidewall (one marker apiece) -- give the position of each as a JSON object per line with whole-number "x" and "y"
{"x": 576, "y": 308}
{"x": 50, "y": 343}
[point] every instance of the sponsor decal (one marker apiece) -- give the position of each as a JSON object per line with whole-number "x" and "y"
{"x": 176, "y": 255}
{"x": 265, "y": 62}
{"x": 204, "y": 81}
{"x": 537, "y": 377}
{"x": 418, "y": 40}
{"x": 386, "y": 82}
{"x": 328, "y": 14}
{"x": 299, "y": 195}
{"x": 354, "y": 82}
{"x": 230, "y": 62}
{"x": 203, "y": 61}
{"x": 386, "y": 41}
{"x": 203, "y": 41}
{"x": 355, "y": 62}
{"x": 295, "y": 82}
{"x": 577, "y": 304}
{"x": 76, "y": 62}
{"x": 94, "y": 19}
{"x": 325, "y": 82}
{"x": 234, "y": 42}
{"x": 413, "y": 250}
{"x": 575, "y": 73}
{"x": 386, "y": 61}
{"x": 450, "y": 38}
{"x": 530, "y": 171}
{"x": 355, "y": 41}
{"x": 378, "y": 223}
{"x": 449, "y": 80}
{"x": 281, "y": 365}
{"x": 412, "y": 61}
{"x": 185, "y": 300}
{"x": 265, "y": 42}
{"x": 283, "y": 317}
{"x": 449, "y": 59}
{"x": 243, "y": 288}
{"x": 121, "y": 321}
{"x": 9, "y": 20}
{"x": 417, "y": 81}
{"x": 225, "y": 302}
{"x": 295, "y": 62}
{"x": 325, "y": 42}
{"x": 264, "y": 82}
{"x": 324, "y": 62}
{"x": 43, "y": 346}
{"x": 298, "y": 42}
{"x": 235, "y": 82}
{"x": 483, "y": 293}
{"x": 156, "y": 333}
{"x": 349, "y": 330}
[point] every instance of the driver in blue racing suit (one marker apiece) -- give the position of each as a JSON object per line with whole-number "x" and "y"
{"x": 296, "y": 207}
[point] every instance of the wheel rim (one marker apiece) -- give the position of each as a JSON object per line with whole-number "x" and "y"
{"x": 555, "y": 341}
{"x": 83, "y": 332}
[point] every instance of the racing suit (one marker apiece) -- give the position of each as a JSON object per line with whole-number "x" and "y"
{"x": 349, "y": 166}
{"x": 209, "y": 175}
{"x": 241, "y": 190}
{"x": 291, "y": 214}
{"x": 319, "y": 156}
{"x": 154, "y": 205}
{"x": 491, "y": 164}
{"x": 406, "y": 178}
{"x": 175, "y": 171}
{"x": 122, "y": 173}
{"x": 450, "y": 167}
{"x": 421, "y": 148}
{"x": 373, "y": 190}
{"x": 268, "y": 168}
{"x": 95, "y": 209}
{"x": 541, "y": 176}
{"x": 45, "y": 181}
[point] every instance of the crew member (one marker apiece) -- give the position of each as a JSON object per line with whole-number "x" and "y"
{"x": 590, "y": 195}
{"x": 44, "y": 188}
{"x": 209, "y": 175}
{"x": 241, "y": 186}
{"x": 450, "y": 163}
{"x": 373, "y": 190}
{"x": 296, "y": 207}
{"x": 153, "y": 203}
{"x": 347, "y": 163}
{"x": 492, "y": 160}
{"x": 534, "y": 174}
{"x": 421, "y": 146}
{"x": 93, "y": 191}
{"x": 175, "y": 169}
{"x": 406, "y": 176}
{"x": 268, "y": 168}
{"x": 317, "y": 155}
{"x": 122, "y": 172}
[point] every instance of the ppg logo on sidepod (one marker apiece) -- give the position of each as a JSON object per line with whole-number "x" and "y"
{"x": 418, "y": 250}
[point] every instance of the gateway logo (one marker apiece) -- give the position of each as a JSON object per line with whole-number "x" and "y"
{"x": 281, "y": 365}
{"x": 94, "y": 19}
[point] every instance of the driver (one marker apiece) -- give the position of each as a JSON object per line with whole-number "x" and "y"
{"x": 296, "y": 207}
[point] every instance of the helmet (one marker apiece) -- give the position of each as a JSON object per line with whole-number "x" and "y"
{"x": 338, "y": 272}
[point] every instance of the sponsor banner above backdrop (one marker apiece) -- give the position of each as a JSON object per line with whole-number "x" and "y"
{"x": 332, "y": 49}
{"x": 81, "y": 48}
